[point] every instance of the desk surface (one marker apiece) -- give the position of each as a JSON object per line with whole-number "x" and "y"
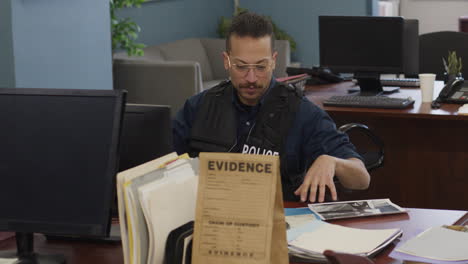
{"x": 425, "y": 149}
{"x": 412, "y": 223}
{"x": 318, "y": 93}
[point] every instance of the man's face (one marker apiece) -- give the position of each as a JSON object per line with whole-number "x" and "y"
{"x": 250, "y": 63}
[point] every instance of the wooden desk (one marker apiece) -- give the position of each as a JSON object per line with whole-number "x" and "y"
{"x": 426, "y": 150}
{"x": 411, "y": 224}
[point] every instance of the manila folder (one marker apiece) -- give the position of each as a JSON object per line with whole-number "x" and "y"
{"x": 239, "y": 212}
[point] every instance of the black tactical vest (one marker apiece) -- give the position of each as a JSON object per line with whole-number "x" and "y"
{"x": 215, "y": 126}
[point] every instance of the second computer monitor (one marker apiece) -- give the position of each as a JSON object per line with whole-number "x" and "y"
{"x": 353, "y": 43}
{"x": 368, "y": 46}
{"x": 146, "y": 134}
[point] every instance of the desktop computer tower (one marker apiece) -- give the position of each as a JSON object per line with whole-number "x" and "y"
{"x": 411, "y": 47}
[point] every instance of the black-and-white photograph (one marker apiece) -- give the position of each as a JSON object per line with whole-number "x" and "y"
{"x": 349, "y": 209}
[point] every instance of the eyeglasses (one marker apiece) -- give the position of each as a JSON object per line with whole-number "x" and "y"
{"x": 260, "y": 69}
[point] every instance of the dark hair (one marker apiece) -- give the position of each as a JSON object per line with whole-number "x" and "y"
{"x": 249, "y": 24}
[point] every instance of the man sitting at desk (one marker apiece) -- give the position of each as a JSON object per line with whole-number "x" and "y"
{"x": 252, "y": 113}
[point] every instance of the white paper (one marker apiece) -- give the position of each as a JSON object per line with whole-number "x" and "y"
{"x": 122, "y": 178}
{"x": 438, "y": 243}
{"x": 8, "y": 260}
{"x": 168, "y": 204}
{"x": 342, "y": 239}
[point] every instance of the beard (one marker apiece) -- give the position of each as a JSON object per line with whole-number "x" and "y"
{"x": 250, "y": 92}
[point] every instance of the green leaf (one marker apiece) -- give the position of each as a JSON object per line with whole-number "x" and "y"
{"x": 124, "y": 31}
{"x": 454, "y": 63}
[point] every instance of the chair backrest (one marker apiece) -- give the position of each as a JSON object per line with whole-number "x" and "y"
{"x": 368, "y": 145}
{"x": 152, "y": 54}
{"x": 436, "y": 45}
{"x": 283, "y": 59}
{"x": 463, "y": 24}
{"x": 214, "y": 48}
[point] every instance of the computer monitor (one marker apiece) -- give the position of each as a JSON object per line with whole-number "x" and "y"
{"x": 58, "y": 152}
{"x": 146, "y": 134}
{"x": 366, "y": 46}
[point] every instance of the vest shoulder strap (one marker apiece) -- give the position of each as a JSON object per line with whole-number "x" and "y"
{"x": 214, "y": 128}
{"x": 276, "y": 117}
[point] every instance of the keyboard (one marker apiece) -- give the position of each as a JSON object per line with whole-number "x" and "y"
{"x": 369, "y": 101}
{"x": 402, "y": 82}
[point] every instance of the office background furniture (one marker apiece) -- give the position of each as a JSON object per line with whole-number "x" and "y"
{"x": 434, "y": 15}
{"x": 370, "y": 147}
{"x": 77, "y": 252}
{"x": 435, "y": 46}
{"x": 170, "y": 73}
{"x": 463, "y": 24}
{"x": 146, "y": 134}
{"x": 425, "y": 149}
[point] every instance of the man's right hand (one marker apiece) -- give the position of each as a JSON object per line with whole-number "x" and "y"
{"x": 318, "y": 178}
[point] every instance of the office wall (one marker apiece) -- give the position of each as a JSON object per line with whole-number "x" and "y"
{"x": 434, "y": 15}
{"x": 7, "y": 71}
{"x": 299, "y": 18}
{"x": 168, "y": 20}
{"x": 61, "y": 43}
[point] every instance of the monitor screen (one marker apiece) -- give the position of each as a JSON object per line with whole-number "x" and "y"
{"x": 361, "y": 44}
{"x": 58, "y": 159}
{"x": 146, "y": 134}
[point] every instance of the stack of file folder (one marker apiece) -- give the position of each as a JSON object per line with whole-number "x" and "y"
{"x": 308, "y": 237}
{"x": 155, "y": 198}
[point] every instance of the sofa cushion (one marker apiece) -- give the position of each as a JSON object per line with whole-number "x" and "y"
{"x": 214, "y": 48}
{"x": 211, "y": 84}
{"x": 188, "y": 50}
{"x": 283, "y": 59}
{"x": 151, "y": 55}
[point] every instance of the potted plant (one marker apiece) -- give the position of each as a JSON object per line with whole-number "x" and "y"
{"x": 453, "y": 66}
{"x": 124, "y": 30}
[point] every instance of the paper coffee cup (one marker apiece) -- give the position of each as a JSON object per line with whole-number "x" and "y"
{"x": 426, "y": 82}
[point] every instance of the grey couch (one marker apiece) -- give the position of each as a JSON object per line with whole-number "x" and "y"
{"x": 170, "y": 73}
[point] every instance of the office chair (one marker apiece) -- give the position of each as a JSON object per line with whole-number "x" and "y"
{"x": 435, "y": 46}
{"x": 372, "y": 153}
{"x": 370, "y": 147}
{"x": 463, "y": 24}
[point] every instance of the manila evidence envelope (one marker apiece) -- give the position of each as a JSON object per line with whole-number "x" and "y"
{"x": 239, "y": 212}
